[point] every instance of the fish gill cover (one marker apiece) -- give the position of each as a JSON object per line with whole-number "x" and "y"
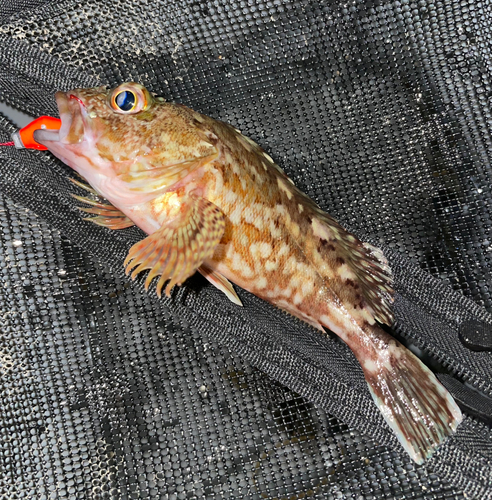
{"x": 377, "y": 110}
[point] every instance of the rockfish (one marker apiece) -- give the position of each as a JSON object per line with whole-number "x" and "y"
{"x": 211, "y": 200}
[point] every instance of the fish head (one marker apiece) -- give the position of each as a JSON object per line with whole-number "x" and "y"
{"x": 105, "y": 133}
{"x": 112, "y": 125}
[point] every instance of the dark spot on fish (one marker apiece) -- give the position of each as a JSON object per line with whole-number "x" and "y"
{"x": 211, "y": 137}
{"x": 351, "y": 283}
{"x": 360, "y": 304}
{"x": 324, "y": 244}
{"x": 340, "y": 261}
{"x": 309, "y": 219}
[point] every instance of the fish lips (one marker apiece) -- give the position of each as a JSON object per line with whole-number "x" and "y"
{"x": 73, "y": 116}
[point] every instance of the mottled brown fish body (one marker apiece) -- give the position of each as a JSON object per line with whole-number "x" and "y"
{"x": 213, "y": 201}
{"x": 277, "y": 243}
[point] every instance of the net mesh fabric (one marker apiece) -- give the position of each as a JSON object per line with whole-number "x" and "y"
{"x": 105, "y": 395}
{"x": 379, "y": 111}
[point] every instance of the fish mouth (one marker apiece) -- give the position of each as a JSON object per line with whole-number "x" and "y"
{"x": 72, "y": 115}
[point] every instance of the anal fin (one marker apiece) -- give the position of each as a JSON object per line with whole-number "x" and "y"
{"x": 220, "y": 282}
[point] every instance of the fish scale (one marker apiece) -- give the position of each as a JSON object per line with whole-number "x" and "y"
{"x": 271, "y": 192}
{"x": 213, "y": 201}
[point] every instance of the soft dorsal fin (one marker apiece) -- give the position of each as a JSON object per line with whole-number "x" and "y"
{"x": 179, "y": 247}
{"x": 367, "y": 263}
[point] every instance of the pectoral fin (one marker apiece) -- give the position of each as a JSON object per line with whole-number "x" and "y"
{"x": 180, "y": 247}
{"x": 222, "y": 283}
{"x": 146, "y": 180}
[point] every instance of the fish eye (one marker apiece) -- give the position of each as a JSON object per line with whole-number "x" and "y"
{"x": 125, "y": 100}
{"x": 130, "y": 98}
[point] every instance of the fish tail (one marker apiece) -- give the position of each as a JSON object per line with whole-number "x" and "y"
{"x": 413, "y": 402}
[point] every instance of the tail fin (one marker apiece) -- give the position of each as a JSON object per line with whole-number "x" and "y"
{"x": 415, "y": 405}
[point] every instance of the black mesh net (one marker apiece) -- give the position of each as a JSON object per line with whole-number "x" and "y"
{"x": 380, "y": 112}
